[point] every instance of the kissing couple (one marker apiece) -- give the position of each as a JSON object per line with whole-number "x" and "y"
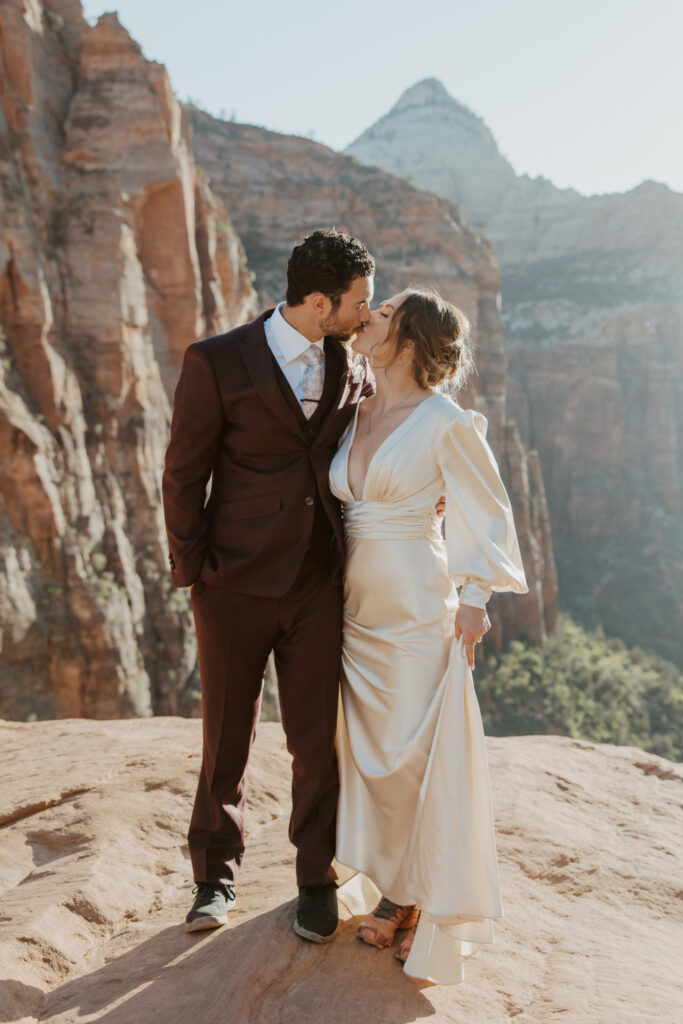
{"x": 332, "y": 445}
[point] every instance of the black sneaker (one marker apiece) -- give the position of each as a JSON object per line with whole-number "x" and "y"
{"x": 316, "y": 915}
{"x": 210, "y": 907}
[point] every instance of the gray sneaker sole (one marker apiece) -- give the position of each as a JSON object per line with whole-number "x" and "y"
{"x": 312, "y": 936}
{"x": 205, "y": 922}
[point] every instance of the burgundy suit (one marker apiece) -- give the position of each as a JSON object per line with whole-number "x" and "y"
{"x": 265, "y": 555}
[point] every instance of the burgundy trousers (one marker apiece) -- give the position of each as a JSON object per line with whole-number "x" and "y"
{"x": 235, "y": 635}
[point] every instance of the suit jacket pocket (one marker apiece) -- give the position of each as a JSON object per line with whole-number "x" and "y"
{"x": 248, "y": 508}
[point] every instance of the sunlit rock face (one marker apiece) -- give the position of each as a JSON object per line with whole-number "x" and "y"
{"x": 592, "y": 291}
{"x": 114, "y": 256}
{"x": 95, "y": 885}
{"x": 440, "y": 145}
{"x": 279, "y": 188}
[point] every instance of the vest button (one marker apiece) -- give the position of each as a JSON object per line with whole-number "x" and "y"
{"x": 309, "y": 500}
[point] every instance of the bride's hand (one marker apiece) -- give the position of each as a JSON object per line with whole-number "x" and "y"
{"x": 471, "y": 623}
{"x": 440, "y": 507}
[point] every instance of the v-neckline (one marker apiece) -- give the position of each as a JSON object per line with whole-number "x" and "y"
{"x": 379, "y": 447}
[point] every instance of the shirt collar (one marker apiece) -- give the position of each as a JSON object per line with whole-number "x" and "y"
{"x": 291, "y": 342}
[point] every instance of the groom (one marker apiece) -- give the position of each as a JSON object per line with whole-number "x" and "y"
{"x": 259, "y": 411}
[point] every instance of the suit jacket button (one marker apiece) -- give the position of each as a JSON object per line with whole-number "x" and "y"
{"x": 309, "y": 500}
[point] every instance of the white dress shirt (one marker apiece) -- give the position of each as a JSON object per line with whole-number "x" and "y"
{"x": 288, "y": 346}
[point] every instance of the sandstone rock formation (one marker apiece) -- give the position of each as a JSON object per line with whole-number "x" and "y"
{"x": 605, "y": 415}
{"x": 440, "y": 145}
{"x": 593, "y": 314}
{"x": 95, "y": 883}
{"x": 278, "y": 188}
{"x": 114, "y": 255}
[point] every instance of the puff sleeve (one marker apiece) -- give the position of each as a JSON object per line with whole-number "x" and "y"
{"x": 481, "y": 541}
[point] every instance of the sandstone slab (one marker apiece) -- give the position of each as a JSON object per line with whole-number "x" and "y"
{"x": 95, "y": 883}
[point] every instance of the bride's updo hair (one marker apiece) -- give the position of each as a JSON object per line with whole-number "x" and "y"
{"x": 439, "y": 332}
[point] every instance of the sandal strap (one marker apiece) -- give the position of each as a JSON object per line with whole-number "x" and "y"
{"x": 388, "y": 911}
{"x": 404, "y": 949}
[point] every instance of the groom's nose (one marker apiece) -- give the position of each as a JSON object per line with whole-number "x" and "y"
{"x": 365, "y": 314}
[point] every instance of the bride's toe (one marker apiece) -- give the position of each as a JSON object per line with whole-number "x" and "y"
{"x": 368, "y": 934}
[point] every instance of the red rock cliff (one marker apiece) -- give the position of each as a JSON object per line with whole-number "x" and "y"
{"x": 278, "y": 188}
{"x": 593, "y": 314}
{"x": 114, "y": 255}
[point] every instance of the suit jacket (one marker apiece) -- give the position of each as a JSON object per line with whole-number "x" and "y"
{"x": 235, "y": 422}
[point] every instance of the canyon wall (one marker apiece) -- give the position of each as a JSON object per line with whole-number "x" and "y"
{"x": 279, "y": 188}
{"x": 116, "y": 252}
{"x": 592, "y": 292}
{"x": 114, "y": 256}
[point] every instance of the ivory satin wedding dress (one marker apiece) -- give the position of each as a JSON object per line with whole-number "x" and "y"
{"x": 415, "y": 820}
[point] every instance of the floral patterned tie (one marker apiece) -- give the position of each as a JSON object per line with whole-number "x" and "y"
{"x": 313, "y": 379}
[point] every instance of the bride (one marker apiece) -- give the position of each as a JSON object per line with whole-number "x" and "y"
{"x": 415, "y": 824}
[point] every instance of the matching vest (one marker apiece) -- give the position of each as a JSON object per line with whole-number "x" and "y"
{"x": 322, "y": 535}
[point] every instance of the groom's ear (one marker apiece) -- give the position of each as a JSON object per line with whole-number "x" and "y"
{"x": 320, "y": 304}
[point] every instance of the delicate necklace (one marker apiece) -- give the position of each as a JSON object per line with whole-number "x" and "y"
{"x": 372, "y": 420}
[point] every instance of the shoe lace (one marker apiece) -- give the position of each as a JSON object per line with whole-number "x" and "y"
{"x": 208, "y": 889}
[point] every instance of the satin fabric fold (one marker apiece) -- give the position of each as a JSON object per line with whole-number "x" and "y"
{"x": 415, "y": 820}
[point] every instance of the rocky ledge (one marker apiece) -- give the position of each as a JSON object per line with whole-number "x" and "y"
{"x": 95, "y": 883}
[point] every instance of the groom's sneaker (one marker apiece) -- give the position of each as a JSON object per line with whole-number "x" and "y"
{"x": 210, "y": 907}
{"x": 316, "y": 915}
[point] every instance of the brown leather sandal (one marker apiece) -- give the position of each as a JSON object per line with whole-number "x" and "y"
{"x": 379, "y": 928}
{"x": 404, "y": 949}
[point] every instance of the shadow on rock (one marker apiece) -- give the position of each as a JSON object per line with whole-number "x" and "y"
{"x": 18, "y": 999}
{"x": 255, "y": 972}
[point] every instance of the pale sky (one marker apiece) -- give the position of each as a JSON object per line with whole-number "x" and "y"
{"x": 588, "y": 93}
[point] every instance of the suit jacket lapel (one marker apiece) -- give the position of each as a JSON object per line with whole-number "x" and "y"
{"x": 258, "y": 360}
{"x": 335, "y": 365}
{"x": 338, "y": 369}
{"x": 260, "y": 367}
{"x": 340, "y": 359}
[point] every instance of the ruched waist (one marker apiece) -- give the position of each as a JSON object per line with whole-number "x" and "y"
{"x": 384, "y": 521}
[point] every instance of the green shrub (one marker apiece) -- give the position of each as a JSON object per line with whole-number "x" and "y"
{"x": 585, "y": 685}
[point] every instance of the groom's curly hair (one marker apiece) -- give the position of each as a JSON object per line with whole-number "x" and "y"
{"x": 327, "y": 262}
